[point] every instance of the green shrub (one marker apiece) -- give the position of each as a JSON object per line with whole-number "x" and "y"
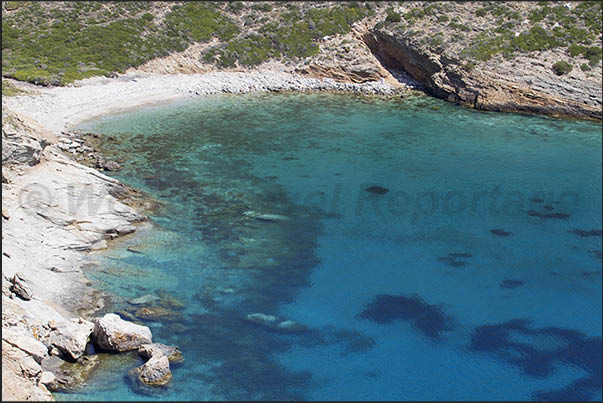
{"x": 575, "y": 50}
{"x": 392, "y": 16}
{"x": 585, "y": 67}
{"x": 480, "y": 12}
{"x": 562, "y": 67}
{"x": 443, "y": 18}
{"x": 593, "y": 54}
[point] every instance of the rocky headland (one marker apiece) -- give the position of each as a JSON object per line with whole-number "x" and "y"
{"x": 59, "y": 208}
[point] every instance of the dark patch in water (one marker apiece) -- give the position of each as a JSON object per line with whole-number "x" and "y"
{"x": 428, "y": 319}
{"x": 352, "y": 341}
{"x": 289, "y": 158}
{"x": 537, "y": 200}
{"x": 500, "y": 232}
{"x": 453, "y": 259}
{"x": 547, "y": 207}
{"x": 460, "y": 255}
{"x": 591, "y": 274}
{"x": 380, "y": 190}
{"x": 511, "y": 283}
{"x": 535, "y": 213}
{"x": 372, "y": 373}
{"x": 596, "y": 254}
{"x": 585, "y": 233}
{"x": 564, "y": 346}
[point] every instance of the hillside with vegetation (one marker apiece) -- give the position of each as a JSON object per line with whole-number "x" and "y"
{"x": 57, "y": 43}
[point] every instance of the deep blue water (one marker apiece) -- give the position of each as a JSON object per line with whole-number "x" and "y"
{"x": 475, "y": 276}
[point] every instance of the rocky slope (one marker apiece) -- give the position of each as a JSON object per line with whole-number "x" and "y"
{"x": 52, "y": 210}
{"x": 496, "y": 57}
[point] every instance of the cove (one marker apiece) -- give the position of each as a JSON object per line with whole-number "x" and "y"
{"x": 413, "y": 249}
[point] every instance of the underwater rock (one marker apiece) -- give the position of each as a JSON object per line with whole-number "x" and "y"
{"x": 511, "y": 283}
{"x": 291, "y": 326}
{"x": 262, "y": 319}
{"x": 145, "y": 299}
{"x": 115, "y": 334}
{"x": 535, "y": 213}
{"x": 148, "y": 351}
{"x": 169, "y": 301}
{"x": 274, "y": 323}
{"x": 71, "y": 375}
{"x": 377, "y": 189}
{"x": 155, "y": 372}
{"x": 265, "y": 216}
{"x": 428, "y": 319}
{"x": 500, "y": 232}
{"x": 133, "y": 249}
{"x": 157, "y": 314}
{"x": 584, "y": 233}
{"x": 71, "y": 337}
{"x": 452, "y": 259}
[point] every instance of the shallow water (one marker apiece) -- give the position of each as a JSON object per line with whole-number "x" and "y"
{"x": 402, "y": 294}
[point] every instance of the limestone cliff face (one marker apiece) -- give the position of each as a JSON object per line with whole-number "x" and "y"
{"x": 526, "y": 85}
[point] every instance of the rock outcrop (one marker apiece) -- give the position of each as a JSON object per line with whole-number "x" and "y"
{"x": 21, "y": 286}
{"x": 173, "y": 353}
{"x": 71, "y": 337}
{"x": 53, "y": 209}
{"x": 112, "y": 333}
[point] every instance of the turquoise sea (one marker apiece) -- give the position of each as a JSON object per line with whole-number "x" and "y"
{"x": 470, "y": 269}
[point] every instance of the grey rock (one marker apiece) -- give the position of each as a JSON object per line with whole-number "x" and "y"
{"x": 49, "y": 380}
{"x": 155, "y": 372}
{"x": 148, "y": 351}
{"x": 115, "y": 334}
{"x": 71, "y": 337}
{"x": 21, "y": 286}
{"x": 25, "y": 343}
{"x": 111, "y": 166}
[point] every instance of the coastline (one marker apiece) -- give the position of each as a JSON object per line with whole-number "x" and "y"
{"x": 62, "y": 107}
{"x": 67, "y": 210}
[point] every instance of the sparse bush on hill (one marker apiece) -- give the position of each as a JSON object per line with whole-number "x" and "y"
{"x": 562, "y": 67}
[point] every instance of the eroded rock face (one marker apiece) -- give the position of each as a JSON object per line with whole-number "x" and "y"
{"x": 20, "y": 372}
{"x": 501, "y": 87}
{"x": 71, "y": 337}
{"x": 115, "y": 334}
{"x": 21, "y": 287}
{"x": 25, "y": 343}
{"x": 173, "y": 353}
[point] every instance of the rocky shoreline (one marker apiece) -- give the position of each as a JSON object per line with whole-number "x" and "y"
{"x": 57, "y": 208}
{"x": 56, "y": 211}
